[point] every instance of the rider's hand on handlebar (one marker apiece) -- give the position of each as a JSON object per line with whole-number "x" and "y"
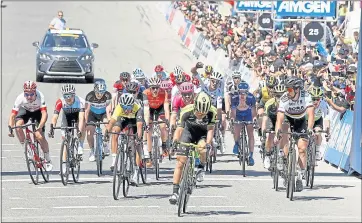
{"x": 310, "y": 132}
{"x": 11, "y": 134}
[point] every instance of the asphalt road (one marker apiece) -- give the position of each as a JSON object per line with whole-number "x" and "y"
{"x": 132, "y": 34}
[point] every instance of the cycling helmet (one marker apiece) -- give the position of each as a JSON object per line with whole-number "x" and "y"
{"x": 316, "y": 92}
{"x": 293, "y": 82}
{"x": 209, "y": 69}
{"x": 262, "y": 84}
{"x": 232, "y": 87}
{"x": 124, "y": 75}
{"x": 68, "y": 89}
{"x": 29, "y": 86}
{"x": 186, "y": 87}
{"x": 236, "y": 74}
{"x": 138, "y": 74}
{"x": 202, "y": 103}
{"x": 132, "y": 86}
{"x": 159, "y": 68}
{"x": 271, "y": 81}
{"x": 166, "y": 85}
{"x": 195, "y": 82}
{"x": 126, "y": 99}
{"x": 177, "y": 71}
{"x": 180, "y": 79}
{"x": 243, "y": 86}
{"x": 279, "y": 88}
{"x": 100, "y": 87}
{"x": 216, "y": 75}
{"x": 154, "y": 81}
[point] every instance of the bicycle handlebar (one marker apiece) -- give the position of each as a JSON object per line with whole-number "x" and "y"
{"x": 96, "y": 123}
{"x": 25, "y": 125}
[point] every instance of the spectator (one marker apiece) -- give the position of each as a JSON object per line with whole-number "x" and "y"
{"x": 58, "y": 22}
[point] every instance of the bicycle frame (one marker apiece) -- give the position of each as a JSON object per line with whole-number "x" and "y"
{"x": 243, "y": 145}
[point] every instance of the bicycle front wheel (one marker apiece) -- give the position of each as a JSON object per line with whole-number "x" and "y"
{"x": 43, "y": 171}
{"x": 156, "y": 156}
{"x": 292, "y": 174}
{"x": 75, "y": 161}
{"x": 143, "y": 171}
{"x": 183, "y": 187}
{"x": 117, "y": 173}
{"x": 64, "y": 162}
{"x": 99, "y": 155}
{"x": 127, "y": 171}
{"x": 31, "y": 163}
{"x": 243, "y": 154}
{"x": 312, "y": 166}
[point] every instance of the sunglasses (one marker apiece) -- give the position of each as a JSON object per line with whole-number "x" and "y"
{"x": 132, "y": 92}
{"x": 236, "y": 78}
{"x": 127, "y": 107}
{"x": 214, "y": 81}
{"x": 29, "y": 94}
{"x": 155, "y": 88}
{"x": 124, "y": 79}
{"x": 316, "y": 99}
{"x": 67, "y": 96}
{"x": 187, "y": 94}
{"x": 60, "y": 15}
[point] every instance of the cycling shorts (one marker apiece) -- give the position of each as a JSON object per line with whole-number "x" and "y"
{"x": 191, "y": 136}
{"x": 158, "y": 112}
{"x": 299, "y": 126}
{"x": 123, "y": 122}
{"x": 245, "y": 115}
{"x": 318, "y": 123}
{"x": 25, "y": 115}
{"x": 93, "y": 117}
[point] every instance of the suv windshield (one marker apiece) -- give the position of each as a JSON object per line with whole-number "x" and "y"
{"x": 65, "y": 40}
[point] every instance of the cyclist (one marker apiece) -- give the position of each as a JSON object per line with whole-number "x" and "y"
{"x": 197, "y": 123}
{"x": 245, "y": 111}
{"x": 207, "y": 72}
{"x": 73, "y": 107}
{"x": 232, "y": 94}
{"x": 269, "y": 120}
{"x": 161, "y": 73}
{"x": 295, "y": 104}
{"x": 124, "y": 78}
{"x": 156, "y": 104}
{"x": 176, "y": 72}
{"x": 140, "y": 76}
{"x": 181, "y": 100}
{"x": 321, "y": 114}
{"x": 179, "y": 77}
{"x": 128, "y": 111}
{"x": 31, "y": 104}
{"x": 97, "y": 109}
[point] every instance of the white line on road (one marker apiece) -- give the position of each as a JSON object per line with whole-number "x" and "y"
{"x": 75, "y": 207}
{"x": 216, "y": 206}
{"x": 25, "y": 208}
{"x": 208, "y": 196}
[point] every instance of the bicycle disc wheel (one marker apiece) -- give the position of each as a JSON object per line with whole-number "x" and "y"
{"x": 292, "y": 175}
{"x": 183, "y": 188}
{"x": 75, "y": 159}
{"x": 117, "y": 173}
{"x": 127, "y": 170}
{"x": 30, "y": 163}
{"x": 64, "y": 174}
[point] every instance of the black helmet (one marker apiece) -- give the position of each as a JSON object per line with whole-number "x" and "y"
{"x": 271, "y": 81}
{"x": 294, "y": 82}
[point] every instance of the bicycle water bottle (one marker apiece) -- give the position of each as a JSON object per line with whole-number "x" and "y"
{"x": 197, "y": 161}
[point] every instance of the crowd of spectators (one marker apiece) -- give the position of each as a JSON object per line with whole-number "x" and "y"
{"x": 333, "y": 66}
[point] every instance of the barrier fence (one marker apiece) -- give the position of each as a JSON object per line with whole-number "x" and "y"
{"x": 337, "y": 150}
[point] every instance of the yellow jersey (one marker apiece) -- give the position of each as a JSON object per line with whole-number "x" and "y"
{"x": 265, "y": 95}
{"x": 119, "y": 112}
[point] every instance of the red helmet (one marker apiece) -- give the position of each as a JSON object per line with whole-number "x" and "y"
{"x": 159, "y": 68}
{"x": 29, "y": 86}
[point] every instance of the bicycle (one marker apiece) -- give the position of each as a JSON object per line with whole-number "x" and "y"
{"x": 219, "y": 139}
{"x": 171, "y": 133}
{"x": 98, "y": 153}
{"x": 209, "y": 156}
{"x": 311, "y": 160}
{"x": 125, "y": 159}
{"x": 243, "y": 145}
{"x": 70, "y": 147}
{"x": 33, "y": 156}
{"x": 188, "y": 177}
{"x": 156, "y": 145}
{"x": 291, "y": 161}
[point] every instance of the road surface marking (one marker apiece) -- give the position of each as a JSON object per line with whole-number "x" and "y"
{"x": 25, "y": 208}
{"x": 75, "y": 207}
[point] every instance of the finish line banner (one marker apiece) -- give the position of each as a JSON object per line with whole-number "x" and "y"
{"x": 306, "y": 8}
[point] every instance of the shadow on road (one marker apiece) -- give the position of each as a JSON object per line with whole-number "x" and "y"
{"x": 323, "y": 187}
{"x": 311, "y": 198}
{"x": 208, "y": 213}
{"x": 212, "y": 186}
{"x": 249, "y": 173}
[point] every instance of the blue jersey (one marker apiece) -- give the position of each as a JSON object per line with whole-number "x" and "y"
{"x": 250, "y": 100}
{"x": 98, "y": 106}
{"x": 245, "y": 115}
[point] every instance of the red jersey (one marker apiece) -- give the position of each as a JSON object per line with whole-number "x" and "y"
{"x": 155, "y": 102}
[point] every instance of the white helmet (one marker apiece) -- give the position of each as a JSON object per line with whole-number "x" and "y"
{"x": 178, "y": 71}
{"x": 100, "y": 87}
{"x": 262, "y": 84}
{"x": 68, "y": 89}
{"x": 216, "y": 75}
{"x": 236, "y": 74}
{"x": 154, "y": 81}
{"x": 231, "y": 87}
{"x": 126, "y": 99}
{"x": 138, "y": 74}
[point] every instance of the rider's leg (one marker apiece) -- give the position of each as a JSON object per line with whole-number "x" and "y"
{"x": 237, "y": 129}
{"x": 90, "y": 138}
{"x": 20, "y": 132}
{"x": 250, "y": 131}
{"x": 114, "y": 141}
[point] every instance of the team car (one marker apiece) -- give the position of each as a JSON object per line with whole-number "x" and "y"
{"x": 65, "y": 53}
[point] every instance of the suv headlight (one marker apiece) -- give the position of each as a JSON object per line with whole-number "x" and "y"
{"x": 86, "y": 57}
{"x": 44, "y": 56}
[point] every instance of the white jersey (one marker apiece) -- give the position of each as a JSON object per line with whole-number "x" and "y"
{"x": 295, "y": 109}
{"x": 321, "y": 111}
{"x": 37, "y": 104}
{"x": 175, "y": 91}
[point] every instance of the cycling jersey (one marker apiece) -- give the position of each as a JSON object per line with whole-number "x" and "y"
{"x": 165, "y": 75}
{"x": 135, "y": 113}
{"x": 98, "y": 106}
{"x": 264, "y": 95}
{"x": 295, "y": 109}
{"x": 216, "y": 95}
{"x": 244, "y": 115}
{"x": 188, "y": 119}
{"x": 178, "y": 103}
{"x": 37, "y": 104}
{"x": 76, "y": 107}
{"x": 321, "y": 111}
{"x": 271, "y": 108}
{"x": 250, "y": 100}
{"x": 154, "y": 102}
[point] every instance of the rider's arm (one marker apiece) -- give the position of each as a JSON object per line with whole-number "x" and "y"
{"x": 175, "y": 108}
{"x": 43, "y": 110}
{"x": 87, "y": 106}
{"x": 15, "y": 110}
{"x": 166, "y": 107}
{"x": 146, "y": 110}
{"x": 81, "y": 115}
{"x": 139, "y": 118}
{"x": 114, "y": 117}
{"x": 182, "y": 123}
{"x": 227, "y": 103}
{"x": 58, "y": 108}
{"x": 281, "y": 112}
{"x": 109, "y": 105}
{"x": 211, "y": 126}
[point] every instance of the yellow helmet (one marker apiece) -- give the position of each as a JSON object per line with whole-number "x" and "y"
{"x": 209, "y": 69}
{"x": 316, "y": 92}
{"x": 202, "y": 102}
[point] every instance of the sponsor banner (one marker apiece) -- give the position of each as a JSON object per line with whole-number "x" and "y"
{"x": 306, "y": 8}
{"x": 198, "y": 46}
{"x": 254, "y": 5}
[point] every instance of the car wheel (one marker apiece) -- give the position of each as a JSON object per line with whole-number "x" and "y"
{"x": 39, "y": 77}
{"x": 89, "y": 78}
